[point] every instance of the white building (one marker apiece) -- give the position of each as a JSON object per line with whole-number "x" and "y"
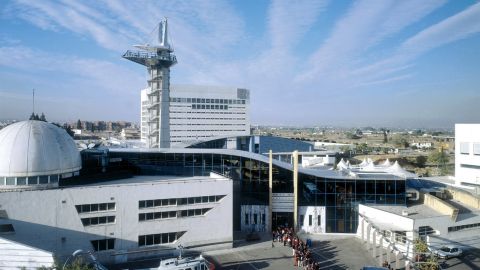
{"x": 422, "y": 145}
{"x": 200, "y": 113}
{"x": 119, "y": 220}
{"x": 451, "y": 216}
{"x": 467, "y": 154}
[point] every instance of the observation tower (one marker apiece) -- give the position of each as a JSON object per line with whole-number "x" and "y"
{"x": 158, "y": 58}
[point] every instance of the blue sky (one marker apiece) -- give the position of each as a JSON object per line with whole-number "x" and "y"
{"x": 349, "y": 63}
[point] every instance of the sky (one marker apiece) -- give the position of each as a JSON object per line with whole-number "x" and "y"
{"x": 387, "y": 63}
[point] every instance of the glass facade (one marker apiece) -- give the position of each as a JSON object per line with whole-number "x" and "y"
{"x": 250, "y": 187}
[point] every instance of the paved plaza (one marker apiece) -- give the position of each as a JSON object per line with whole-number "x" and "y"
{"x": 336, "y": 252}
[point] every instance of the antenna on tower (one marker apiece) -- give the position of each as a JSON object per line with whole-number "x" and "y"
{"x": 33, "y": 101}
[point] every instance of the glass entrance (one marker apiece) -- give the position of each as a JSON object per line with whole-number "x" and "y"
{"x": 282, "y": 219}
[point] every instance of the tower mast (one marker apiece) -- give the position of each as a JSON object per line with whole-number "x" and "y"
{"x": 158, "y": 59}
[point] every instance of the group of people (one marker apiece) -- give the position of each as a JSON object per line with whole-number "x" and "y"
{"x": 302, "y": 257}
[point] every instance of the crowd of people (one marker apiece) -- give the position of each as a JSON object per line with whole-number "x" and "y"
{"x": 302, "y": 257}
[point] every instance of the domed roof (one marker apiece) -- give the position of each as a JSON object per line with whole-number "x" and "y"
{"x": 33, "y": 148}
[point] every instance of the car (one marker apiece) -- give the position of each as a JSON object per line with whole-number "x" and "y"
{"x": 448, "y": 251}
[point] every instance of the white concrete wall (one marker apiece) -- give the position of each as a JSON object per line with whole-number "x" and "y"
{"x": 314, "y": 211}
{"x": 468, "y": 133}
{"x": 48, "y": 219}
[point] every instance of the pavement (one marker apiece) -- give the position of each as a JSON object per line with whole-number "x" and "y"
{"x": 336, "y": 252}
{"x": 331, "y": 251}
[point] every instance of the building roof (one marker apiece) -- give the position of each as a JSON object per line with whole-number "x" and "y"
{"x": 33, "y": 148}
{"x": 332, "y": 174}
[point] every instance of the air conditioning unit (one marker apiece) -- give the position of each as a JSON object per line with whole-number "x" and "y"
{"x": 405, "y": 213}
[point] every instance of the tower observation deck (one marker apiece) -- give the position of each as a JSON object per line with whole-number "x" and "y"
{"x": 158, "y": 59}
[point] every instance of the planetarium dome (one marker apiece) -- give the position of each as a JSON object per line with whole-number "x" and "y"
{"x": 36, "y": 153}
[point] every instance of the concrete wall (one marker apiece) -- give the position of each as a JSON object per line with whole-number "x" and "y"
{"x": 314, "y": 211}
{"x": 48, "y": 219}
{"x": 467, "y": 133}
{"x": 440, "y": 206}
{"x": 465, "y": 197}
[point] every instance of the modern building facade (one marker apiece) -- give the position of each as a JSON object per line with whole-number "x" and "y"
{"x": 467, "y": 154}
{"x": 158, "y": 59}
{"x": 200, "y": 113}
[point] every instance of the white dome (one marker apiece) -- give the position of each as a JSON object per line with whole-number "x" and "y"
{"x": 34, "y": 148}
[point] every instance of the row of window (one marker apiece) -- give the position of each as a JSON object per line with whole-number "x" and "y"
{"x": 463, "y": 227}
{"x": 207, "y": 124}
{"x": 179, "y": 201}
{"x": 30, "y": 181}
{"x": 204, "y": 130}
{"x": 198, "y": 112}
{"x": 205, "y": 118}
{"x": 208, "y": 107}
{"x": 158, "y": 239}
{"x": 92, "y": 221}
{"x": 95, "y": 207}
{"x": 465, "y": 148}
{"x": 103, "y": 244}
{"x": 173, "y": 214}
{"x": 207, "y": 100}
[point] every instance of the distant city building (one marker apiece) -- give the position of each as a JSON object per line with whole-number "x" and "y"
{"x": 201, "y": 113}
{"x": 130, "y": 134}
{"x": 467, "y": 154}
{"x": 422, "y": 145}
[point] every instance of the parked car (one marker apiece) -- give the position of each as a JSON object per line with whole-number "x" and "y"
{"x": 448, "y": 251}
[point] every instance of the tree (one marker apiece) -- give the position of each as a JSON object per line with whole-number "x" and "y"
{"x": 423, "y": 258}
{"x": 421, "y": 161}
{"x": 43, "y": 118}
{"x": 385, "y": 134}
{"x": 440, "y": 159}
{"x": 79, "y": 124}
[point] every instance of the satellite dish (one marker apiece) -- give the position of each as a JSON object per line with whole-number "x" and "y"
{"x": 83, "y": 146}
{"x": 91, "y": 145}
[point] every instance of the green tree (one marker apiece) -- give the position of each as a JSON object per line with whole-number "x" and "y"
{"x": 423, "y": 258}
{"x": 440, "y": 159}
{"x": 421, "y": 161}
{"x": 79, "y": 124}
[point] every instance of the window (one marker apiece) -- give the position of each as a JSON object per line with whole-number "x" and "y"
{"x": 425, "y": 230}
{"x": 463, "y": 227}
{"x": 246, "y": 219}
{"x": 309, "y": 220}
{"x": 319, "y": 222}
{"x": 464, "y": 148}
{"x": 400, "y": 237}
{"x": 95, "y": 207}
{"x": 159, "y": 239}
{"x": 104, "y": 244}
{"x": 301, "y": 219}
{"x": 255, "y": 218}
{"x": 98, "y": 220}
{"x": 21, "y": 181}
{"x": 476, "y": 149}
{"x": 6, "y": 228}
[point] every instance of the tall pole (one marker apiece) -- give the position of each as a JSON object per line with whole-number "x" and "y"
{"x": 295, "y": 190}
{"x": 33, "y": 100}
{"x": 270, "y": 188}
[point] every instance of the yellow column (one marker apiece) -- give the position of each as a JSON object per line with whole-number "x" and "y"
{"x": 270, "y": 189}
{"x": 295, "y": 190}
